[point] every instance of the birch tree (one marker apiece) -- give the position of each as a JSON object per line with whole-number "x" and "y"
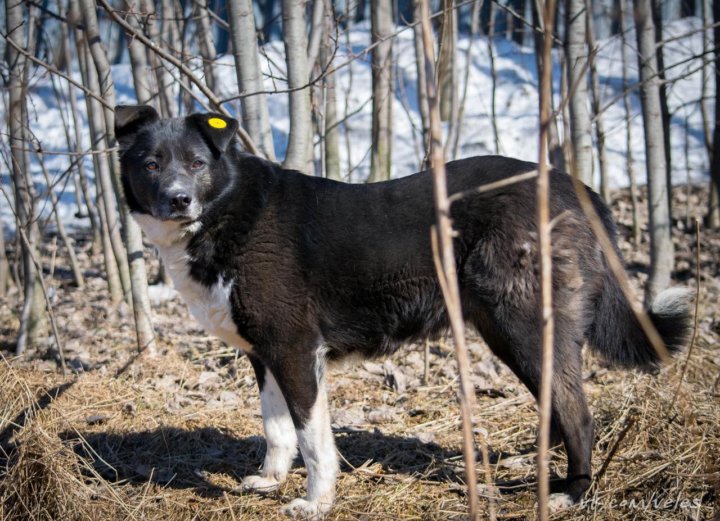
{"x": 381, "y": 153}
{"x": 299, "y": 150}
{"x": 577, "y": 58}
{"x": 661, "y": 246}
{"x": 243, "y": 36}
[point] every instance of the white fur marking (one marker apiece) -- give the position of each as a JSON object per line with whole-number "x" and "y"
{"x": 560, "y": 501}
{"x": 318, "y": 450}
{"x": 672, "y": 301}
{"x": 210, "y": 306}
{"x": 280, "y": 437}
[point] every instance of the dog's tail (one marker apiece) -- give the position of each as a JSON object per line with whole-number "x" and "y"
{"x": 618, "y": 336}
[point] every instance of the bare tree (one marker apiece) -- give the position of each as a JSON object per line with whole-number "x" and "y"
{"x": 447, "y": 63}
{"x": 317, "y": 30}
{"x": 245, "y": 50}
{"x": 4, "y": 264}
{"x": 625, "y": 25}
{"x": 555, "y": 151}
{"x": 712, "y": 219}
{"x": 138, "y": 59}
{"x": 577, "y": 58}
{"x": 669, "y": 8}
{"x": 715, "y": 165}
{"x": 133, "y": 235}
{"x": 206, "y": 44}
{"x": 661, "y": 246}
{"x": 493, "y": 76}
{"x": 382, "y": 79}
{"x": 474, "y": 29}
{"x": 33, "y": 321}
{"x": 596, "y": 104}
{"x": 331, "y": 126}
{"x": 421, "y": 80}
{"x": 163, "y": 77}
{"x": 299, "y": 150}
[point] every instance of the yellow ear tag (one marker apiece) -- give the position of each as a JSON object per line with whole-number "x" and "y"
{"x": 217, "y": 123}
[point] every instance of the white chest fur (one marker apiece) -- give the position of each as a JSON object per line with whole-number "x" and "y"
{"x": 209, "y": 305}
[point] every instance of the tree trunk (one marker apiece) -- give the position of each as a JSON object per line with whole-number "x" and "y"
{"x": 474, "y": 29}
{"x": 555, "y": 150}
{"x": 332, "y": 131}
{"x": 245, "y": 51}
{"x": 317, "y": 31}
{"x": 103, "y": 182}
{"x": 715, "y": 166}
{"x": 421, "y": 81}
{"x": 577, "y": 58}
{"x": 446, "y": 62}
{"x": 205, "y": 43}
{"x": 133, "y": 236}
{"x": 163, "y": 78}
{"x": 661, "y": 246}
{"x": 629, "y": 159}
{"x": 299, "y": 150}
{"x": 493, "y": 76}
{"x": 4, "y": 264}
{"x": 382, "y": 74}
{"x": 138, "y": 60}
{"x": 657, "y": 7}
{"x": 596, "y": 103}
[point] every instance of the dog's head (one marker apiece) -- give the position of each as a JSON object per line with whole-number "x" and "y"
{"x": 172, "y": 168}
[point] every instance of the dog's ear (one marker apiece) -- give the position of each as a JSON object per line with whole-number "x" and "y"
{"x": 131, "y": 118}
{"x": 218, "y": 130}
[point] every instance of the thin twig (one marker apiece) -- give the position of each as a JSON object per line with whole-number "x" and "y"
{"x": 54, "y": 70}
{"x": 488, "y": 187}
{"x": 545, "y": 254}
{"x": 616, "y": 445}
{"x": 444, "y": 258}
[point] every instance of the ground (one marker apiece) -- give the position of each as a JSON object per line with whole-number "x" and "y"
{"x": 123, "y": 436}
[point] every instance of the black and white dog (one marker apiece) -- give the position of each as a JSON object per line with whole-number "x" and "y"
{"x": 298, "y": 271}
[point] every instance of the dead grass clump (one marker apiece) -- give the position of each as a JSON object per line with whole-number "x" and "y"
{"x": 42, "y": 479}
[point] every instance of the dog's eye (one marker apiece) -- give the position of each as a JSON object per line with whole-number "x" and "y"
{"x": 151, "y": 166}
{"x": 198, "y": 163}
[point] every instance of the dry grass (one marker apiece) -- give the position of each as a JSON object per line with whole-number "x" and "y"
{"x": 171, "y": 438}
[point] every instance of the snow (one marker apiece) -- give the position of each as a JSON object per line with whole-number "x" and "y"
{"x": 516, "y": 103}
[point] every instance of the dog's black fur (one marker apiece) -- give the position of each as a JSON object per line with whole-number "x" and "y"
{"x": 321, "y": 269}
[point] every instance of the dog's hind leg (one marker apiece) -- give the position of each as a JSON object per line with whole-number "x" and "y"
{"x": 280, "y": 436}
{"x": 518, "y": 343}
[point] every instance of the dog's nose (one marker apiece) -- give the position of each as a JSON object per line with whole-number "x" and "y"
{"x": 180, "y": 201}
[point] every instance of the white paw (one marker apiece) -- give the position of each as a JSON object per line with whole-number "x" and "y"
{"x": 259, "y": 484}
{"x": 557, "y": 502}
{"x": 301, "y": 508}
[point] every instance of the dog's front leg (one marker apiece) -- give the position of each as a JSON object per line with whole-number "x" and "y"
{"x": 280, "y": 436}
{"x": 303, "y": 386}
